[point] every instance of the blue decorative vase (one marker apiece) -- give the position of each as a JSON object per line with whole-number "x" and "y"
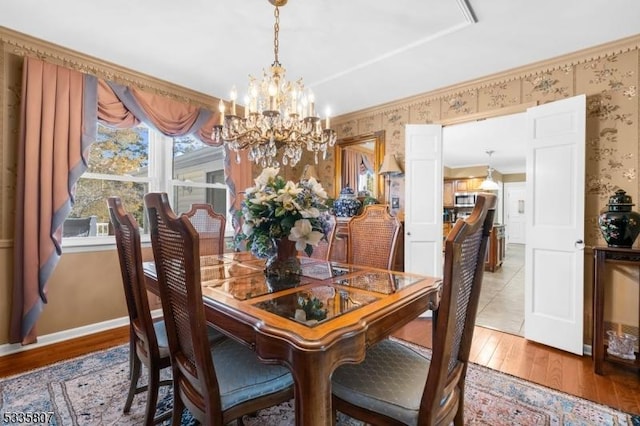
{"x": 618, "y": 223}
{"x": 347, "y": 204}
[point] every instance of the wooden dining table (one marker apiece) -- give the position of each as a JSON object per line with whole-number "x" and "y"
{"x": 326, "y": 316}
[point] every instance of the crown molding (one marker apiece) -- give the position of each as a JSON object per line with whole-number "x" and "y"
{"x": 24, "y": 45}
{"x": 567, "y": 61}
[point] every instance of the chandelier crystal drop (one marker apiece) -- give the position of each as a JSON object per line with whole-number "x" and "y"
{"x": 279, "y": 116}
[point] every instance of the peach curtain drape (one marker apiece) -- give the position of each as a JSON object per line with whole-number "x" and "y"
{"x": 350, "y": 169}
{"x": 60, "y": 110}
{"x": 58, "y": 119}
{"x": 125, "y": 106}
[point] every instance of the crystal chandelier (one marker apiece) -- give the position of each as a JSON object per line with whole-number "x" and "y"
{"x": 280, "y": 116}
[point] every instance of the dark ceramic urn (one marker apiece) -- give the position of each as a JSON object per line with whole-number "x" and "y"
{"x": 618, "y": 223}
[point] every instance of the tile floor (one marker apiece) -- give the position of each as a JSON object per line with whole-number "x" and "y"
{"x": 501, "y": 305}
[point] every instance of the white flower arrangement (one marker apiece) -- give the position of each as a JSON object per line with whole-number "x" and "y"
{"x": 274, "y": 209}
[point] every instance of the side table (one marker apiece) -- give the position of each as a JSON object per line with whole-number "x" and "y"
{"x": 602, "y": 256}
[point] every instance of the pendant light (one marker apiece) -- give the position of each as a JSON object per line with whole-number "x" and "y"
{"x": 489, "y": 184}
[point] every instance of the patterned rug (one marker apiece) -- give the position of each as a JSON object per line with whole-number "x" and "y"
{"x": 91, "y": 390}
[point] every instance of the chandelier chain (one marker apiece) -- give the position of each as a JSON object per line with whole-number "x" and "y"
{"x": 276, "y": 30}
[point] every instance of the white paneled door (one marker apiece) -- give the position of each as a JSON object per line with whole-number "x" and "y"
{"x": 423, "y": 199}
{"x": 554, "y": 257}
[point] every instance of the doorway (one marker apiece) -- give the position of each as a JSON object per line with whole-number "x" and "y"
{"x": 501, "y": 305}
{"x": 514, "y": 212}
{"x": 554, "y": 248}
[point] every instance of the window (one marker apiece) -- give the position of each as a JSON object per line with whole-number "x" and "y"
{"x": 131, "y": 162}
{"x": 198, "y": 176}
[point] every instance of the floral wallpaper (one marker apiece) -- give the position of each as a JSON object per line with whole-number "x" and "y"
{"x": 610, "y": 80}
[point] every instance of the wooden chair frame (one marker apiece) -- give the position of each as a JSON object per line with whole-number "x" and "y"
{"x": 176, "y": 251}
{"x": 443, "y": 395}
{"x": 143, "y": 342}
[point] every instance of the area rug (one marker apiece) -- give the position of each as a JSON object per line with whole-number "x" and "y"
{"x": 91, "y": 390}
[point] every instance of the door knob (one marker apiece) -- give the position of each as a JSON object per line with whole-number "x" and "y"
{"x": 579, "y": 244}
{"x": 408, "y": 233}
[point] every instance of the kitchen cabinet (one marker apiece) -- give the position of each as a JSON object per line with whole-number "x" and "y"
{"x": 460, "y": 185}
{"x": 446, "y": 228}
{"x": 463, "y": 185}
{"x": 473, "y": 184}
{"x": 495, "y": 249}
{"x": 447, "y": 193}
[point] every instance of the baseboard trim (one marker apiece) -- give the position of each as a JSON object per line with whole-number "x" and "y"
{"x": 49, "y": 339}
{"x": 74, "y": 333}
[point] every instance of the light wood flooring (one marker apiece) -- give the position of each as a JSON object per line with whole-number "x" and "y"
{"x": 501, "y": 304}
{"x": 618, "y": 387}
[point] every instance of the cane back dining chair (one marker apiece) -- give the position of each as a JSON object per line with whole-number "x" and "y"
{"x": 397, "y": 384}
{"x": 219, "y": 384}
{"x": 210, "y": 227}
{"x": 373, "y": 236}
{"x": 148, "y": 338}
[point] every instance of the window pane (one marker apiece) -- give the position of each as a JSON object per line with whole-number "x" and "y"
{"x": 91, "y": 200}
{"x": 196, "y": 162}
{"x": 184, "y": 196}
{"x": 192, "y": 160}
{"x": 217, "y": 197}
{"x": 120, "y": 151}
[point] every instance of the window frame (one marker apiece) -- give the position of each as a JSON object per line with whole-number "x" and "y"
{"x": 159, "y": 179}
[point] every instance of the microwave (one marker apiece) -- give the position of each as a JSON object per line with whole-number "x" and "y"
{"x": 464, "y": 199}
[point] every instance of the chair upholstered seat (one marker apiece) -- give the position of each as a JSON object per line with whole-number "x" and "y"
{"x": 161, "y": 337}
{"x": 253, "y": 379}
{"x": 213, "y": 336}
{"x": 390, "y": 381}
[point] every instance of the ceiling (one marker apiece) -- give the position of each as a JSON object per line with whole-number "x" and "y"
{"x": 354, "y": 54}
{"x": 466, "y": 144}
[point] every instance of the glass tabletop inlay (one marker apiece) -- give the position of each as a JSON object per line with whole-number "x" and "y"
{"x": 249, "y": 286}
{"x": 240, "y": 256}
{"x": 322, "y": 270}
{"x": 378, "y": 281}
{"x": 211, "y": 275}
{"x": 214, "y": 259}
{"x": 314, "y": 305}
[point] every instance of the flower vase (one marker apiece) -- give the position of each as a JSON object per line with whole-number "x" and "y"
{"x": 283, "y": 268}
